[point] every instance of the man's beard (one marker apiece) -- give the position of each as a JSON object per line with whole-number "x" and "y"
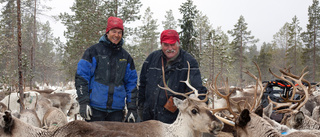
{"x": 170, "y": 51}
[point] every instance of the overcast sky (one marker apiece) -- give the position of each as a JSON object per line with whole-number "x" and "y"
{"x": 264, "y": 17}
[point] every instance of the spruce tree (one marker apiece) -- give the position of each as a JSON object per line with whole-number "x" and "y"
{"x": 311, "y": 37}
{"x": 264, "y": 60}
{"x": 148, "y": 33}
{"x": 215, "y": 54}
{"x": 170, "y": 22}
{"x": 280, "y": 42}
{"x": 188, "y": 33}
{"x": 242, "y": 38}
{"x": 294, "y": 50}
{"x": 8, "y": 43}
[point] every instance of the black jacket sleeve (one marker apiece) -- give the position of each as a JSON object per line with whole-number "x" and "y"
{"x": 82, "y": 78}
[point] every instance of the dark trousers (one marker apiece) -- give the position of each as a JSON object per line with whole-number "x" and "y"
{"x": 98, "y": 115}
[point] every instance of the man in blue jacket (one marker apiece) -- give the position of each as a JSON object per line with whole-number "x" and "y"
{"x": 174, "y": 59}
{"x": 106, "y": 78}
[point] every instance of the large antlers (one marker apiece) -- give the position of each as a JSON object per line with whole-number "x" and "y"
{"x": 258, "y": 83}
{"x": 298, "y": 80}
{"x": 187, "y": 82}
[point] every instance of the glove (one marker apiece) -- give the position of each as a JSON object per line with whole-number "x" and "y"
{"x": 85, "y": 111}
{"x": 131, "y": 116}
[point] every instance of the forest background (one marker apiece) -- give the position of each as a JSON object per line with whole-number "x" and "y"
{"x": 48, "y": 59}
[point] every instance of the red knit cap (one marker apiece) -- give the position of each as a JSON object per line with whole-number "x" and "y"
{"x": 169, "y": 36}
{"x": 114, "y": 22}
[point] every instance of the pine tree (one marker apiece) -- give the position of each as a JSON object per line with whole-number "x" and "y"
{"x": 170, "y": 22}
{"x": 45, "y": 60}
{"x": 215, "y": 54}
{"x": 148, "y": 33}
{"x": 188, "y": 33}
{"x": 242, "y": 39}
{"x": 310, "y": 53}
{"x": 280, "y": 42}
{"x": 8, "y": 43}
{"x": 202, "y": 27}
{"x": 294, "y": 46}
{"x": 264, "y": 60}
{"x": 145, "y": 39}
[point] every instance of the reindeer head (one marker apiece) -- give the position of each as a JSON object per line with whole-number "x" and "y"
{"x": 6, "y": 122}
{"x": 293, "y": 119}
{"x": 197, "y": 112}
{"x": 194, "y": 110}
{"x": 74, "y": 109}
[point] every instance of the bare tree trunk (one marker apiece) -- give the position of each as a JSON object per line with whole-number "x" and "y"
{"x": 212, "y": 65}
{"x": 34, "y": 42}
{"x": 314, "y": 56}
{"x": 19, "y": 54}
{"x": 116, "y": 11}
{"x": 241, "y": 62}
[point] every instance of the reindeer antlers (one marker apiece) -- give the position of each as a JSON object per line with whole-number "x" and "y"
{"x": 258, "y": 83}
{"x": 298, "y": 80}
{"x": 187, "y": 82}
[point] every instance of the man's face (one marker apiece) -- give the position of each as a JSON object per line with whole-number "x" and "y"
{"x": 115, "y": 35}
{"x": 170, "y": 50}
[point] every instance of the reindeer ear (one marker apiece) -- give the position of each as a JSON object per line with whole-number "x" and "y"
{"x": 244, "y": 118}
{"x": 299, "y": 117}
{"x": 181, "y": 104}
{"x": 259, "y": 111}
{"x": 8, "y": 122}
{"x": 268, "y": 110}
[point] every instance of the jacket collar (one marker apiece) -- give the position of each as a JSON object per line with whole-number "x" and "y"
{"x": 104, "y": 39}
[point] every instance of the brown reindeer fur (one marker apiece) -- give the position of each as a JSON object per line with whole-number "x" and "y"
{"x": 193, "y": 119}
{"x": 316, "y": 114}
{"x": 88, "y": 129}
{"x": 54, "y": 118}
{"x": 252, "y": 125}
{"x": 42, "y": 106}
{"x": 298, "y": 120}
{"x": 3, "y": 107}
{"x": 187, "y": 124}
{"x": 45, "y": 91}
{"x": 30, "y": 116}
{"x": 13, "y": 127}
{"x": 60, "y": 100}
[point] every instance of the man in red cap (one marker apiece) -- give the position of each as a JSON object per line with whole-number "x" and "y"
{"x": 106, "y": 78}
{"x": 152, "y": 99}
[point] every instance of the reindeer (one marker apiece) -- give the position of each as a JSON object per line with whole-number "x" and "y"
{"x": 13, "y": 127}
{"x": 53, "y": 119}
{"x": 249, "y": 124}
{"x": 294, "y": 118}
{"x": 74, "y": 110}
{"x": 12, "y": 101}
{"x": 60, "y": 100}
{"x": 194, "y": 118}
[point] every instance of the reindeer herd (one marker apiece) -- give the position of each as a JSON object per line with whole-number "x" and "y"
{"x": 224, "y": 111}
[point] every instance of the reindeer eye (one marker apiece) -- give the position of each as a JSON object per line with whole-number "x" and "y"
{"x": 194, "y": 111}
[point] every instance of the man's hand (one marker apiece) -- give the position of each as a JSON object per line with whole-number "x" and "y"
{"x": 85, "y": 111}
{"x": 131, "y": 116}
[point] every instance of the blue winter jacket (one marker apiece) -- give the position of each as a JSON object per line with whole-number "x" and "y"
{"x": 106, "y": 76}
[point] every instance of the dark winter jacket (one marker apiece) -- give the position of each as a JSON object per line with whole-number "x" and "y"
{"x": 105, "y": 76}
{"x": 151, "y": 97}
